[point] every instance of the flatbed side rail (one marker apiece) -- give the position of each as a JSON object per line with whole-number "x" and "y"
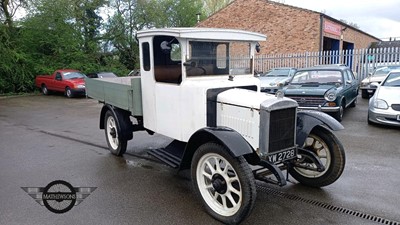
{"x": 122, "y": 92}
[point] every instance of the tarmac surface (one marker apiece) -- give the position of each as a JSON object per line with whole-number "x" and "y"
{"x": 47, "y": 138}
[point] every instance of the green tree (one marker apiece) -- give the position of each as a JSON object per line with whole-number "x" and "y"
{"x": 212, "y": 6}
{"x": 131, "y": 16}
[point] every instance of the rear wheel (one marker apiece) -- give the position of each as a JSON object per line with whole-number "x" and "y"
{"x": 354, "y": 103}
{"x": 45, "y": 91}
{"x": 116, "y": 141}
{"x": 225, "y": 184}
{"x": 331, "y": 153}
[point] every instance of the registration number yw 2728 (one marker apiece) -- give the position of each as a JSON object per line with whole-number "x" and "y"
{"x": 282, "y": 156}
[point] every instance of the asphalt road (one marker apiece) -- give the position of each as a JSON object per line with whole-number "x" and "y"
{"x": 47, "y": 138}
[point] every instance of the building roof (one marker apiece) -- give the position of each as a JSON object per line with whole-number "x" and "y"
{"x": 308, "y": 10}
{"x": 385, "y": 44}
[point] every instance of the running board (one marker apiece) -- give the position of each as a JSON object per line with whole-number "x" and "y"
{"x": 171, "y": 155}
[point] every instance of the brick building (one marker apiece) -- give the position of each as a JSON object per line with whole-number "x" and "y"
{"x": 289, "y": 29}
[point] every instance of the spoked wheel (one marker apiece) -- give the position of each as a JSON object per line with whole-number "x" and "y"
{"x": 225, "y": 184}
{"x": 331, "y": 153}
{"x": 115, "y": 140}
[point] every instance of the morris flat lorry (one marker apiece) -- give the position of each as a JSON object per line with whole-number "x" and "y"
{"x": 197, "y": 86}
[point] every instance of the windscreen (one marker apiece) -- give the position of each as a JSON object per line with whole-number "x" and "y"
{"x": 218, "y": 58}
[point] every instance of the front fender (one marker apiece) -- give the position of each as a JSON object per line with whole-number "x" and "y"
{"x": 308, "y": 119}
{"x": 227, "y": 137}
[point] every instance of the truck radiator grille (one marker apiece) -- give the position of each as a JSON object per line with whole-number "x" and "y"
{"x": 282, "y": 129}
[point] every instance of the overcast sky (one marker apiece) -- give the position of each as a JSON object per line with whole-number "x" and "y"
{"x": 380, "y": 18}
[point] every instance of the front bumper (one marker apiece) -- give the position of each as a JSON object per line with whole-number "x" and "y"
{"x": 368, "y": 88}
{"x": 78, "y": 91}
{"x": 322, "y": 108}
{"x": 386, "y": 117}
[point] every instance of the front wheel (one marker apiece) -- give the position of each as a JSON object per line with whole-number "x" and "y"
{"x": 225, "y": 184}
{"x": 68, "y": 92}
{"x": 339, "y": 114}
{"x": 331, "y": 153}
{"x": 115, "y": 139}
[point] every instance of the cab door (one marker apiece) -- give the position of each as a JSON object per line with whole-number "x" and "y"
{"x": 58, "y": 82}
{"x": 161, "y": 86}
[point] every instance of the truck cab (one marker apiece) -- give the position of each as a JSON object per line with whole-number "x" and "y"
{"x": 184, "y": 69}
{"x": 197, "y": 86}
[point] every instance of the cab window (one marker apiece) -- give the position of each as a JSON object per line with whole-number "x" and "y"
{"x": 167, "y": 59}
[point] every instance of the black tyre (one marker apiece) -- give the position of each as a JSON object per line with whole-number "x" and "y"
{"x": 329, "y": 150}
{"x": 339, "y": 114}
{"x": 364, "y": 94}
{"x": 45, "y": 91}
{"x": 68, "y": 92}
{"x": 354, "y": 103}
{"x": 114, "y": 131}
{"x": 225, "y": 184}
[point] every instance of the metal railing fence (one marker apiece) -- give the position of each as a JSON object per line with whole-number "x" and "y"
{"x": 361, "y": 61}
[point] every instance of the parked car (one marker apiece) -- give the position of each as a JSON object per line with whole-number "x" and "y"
{"x": 271, "y": 80}
{"x": 330, "y": 88}
{"x": 384, "y": 106}
{"x": 377, "y": 76}
{"x": 101, "y": 75}
{"x": 71, "y": 82}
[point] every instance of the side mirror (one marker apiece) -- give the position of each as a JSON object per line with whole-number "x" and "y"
{"x": 165, "y": 47}
{"x": 258, "y": 47}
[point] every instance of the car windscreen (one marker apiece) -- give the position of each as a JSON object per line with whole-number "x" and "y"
{"x": 383, "y": 71}
{"x": 393, "y": 80}
{"x": 277, "y": 73}
{"x": 101, "y": 75}
{"x": 317, "y": 77}
{"x": 73, "y": 75}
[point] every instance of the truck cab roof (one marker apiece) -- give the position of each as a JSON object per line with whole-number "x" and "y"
{"x": 204, "y": 33}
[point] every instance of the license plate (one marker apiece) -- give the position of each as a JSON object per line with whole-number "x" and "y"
{"x": 398, "y": 117}
{"x": 369, "y": 91}
{"x": 281, "y": 156}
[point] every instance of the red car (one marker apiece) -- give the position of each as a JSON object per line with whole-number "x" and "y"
{"x": 70, "y": 82}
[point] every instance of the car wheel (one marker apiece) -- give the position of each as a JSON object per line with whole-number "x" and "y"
{"x": 45, "y": 91}
{"x": 225, "y": 184}
{"x": 339, "y": 114}
{"x": 68, "y": 92}
{"x": 364, "y": 94}
{"x": 329, "y": 150}
{"x": 354, "y": 103}
{"x": 116, "y": 140}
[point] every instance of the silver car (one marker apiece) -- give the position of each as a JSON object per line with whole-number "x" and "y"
{"x": 384, "y": 106}
{"x": 271, "y": 80}
{"x": 376, "y": 77}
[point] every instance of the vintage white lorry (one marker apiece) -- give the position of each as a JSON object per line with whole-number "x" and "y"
{"x": 197, "y": 87}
